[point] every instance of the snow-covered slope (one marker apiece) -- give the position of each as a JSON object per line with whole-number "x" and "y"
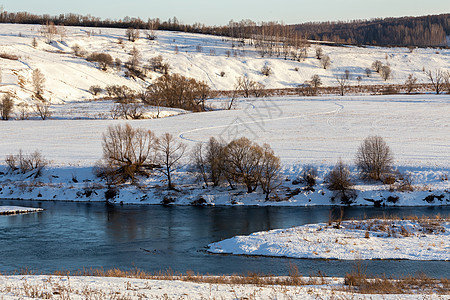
{"x": 203, "y": 57}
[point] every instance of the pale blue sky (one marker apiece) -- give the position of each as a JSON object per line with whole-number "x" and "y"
{"x": 220, "y": 12}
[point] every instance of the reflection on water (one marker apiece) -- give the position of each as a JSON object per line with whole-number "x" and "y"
{"x": 71, "y": 236}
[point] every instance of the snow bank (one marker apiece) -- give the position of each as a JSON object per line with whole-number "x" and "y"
{"x": 12, "y": 210}
{"x": 351, "y": 240}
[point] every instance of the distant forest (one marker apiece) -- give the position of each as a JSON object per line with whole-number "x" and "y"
{"x": 406, "y": 31}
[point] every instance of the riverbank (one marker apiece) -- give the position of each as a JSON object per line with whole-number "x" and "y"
{"x": 190, "y": 286}
{"x": 429, "y": 187}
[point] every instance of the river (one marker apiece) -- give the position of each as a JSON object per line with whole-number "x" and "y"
{"x": 71, "y": 235}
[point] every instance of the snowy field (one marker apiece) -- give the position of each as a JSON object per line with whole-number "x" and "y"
{"x": 352, "y": 240}
{"x": 302, "y": 131}
{"x": 43, "y": 287}
{"x": 12, "y": 210}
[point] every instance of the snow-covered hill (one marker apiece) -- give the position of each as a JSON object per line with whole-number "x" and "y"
{"x": 203, "y": 57}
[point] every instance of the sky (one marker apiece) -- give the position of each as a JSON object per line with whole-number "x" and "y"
{"x": 213, "y": 12}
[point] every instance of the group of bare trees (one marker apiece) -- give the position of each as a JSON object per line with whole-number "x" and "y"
{"x": 130, "y": 152}
{"x": 240, "y": 161}
{"x": 384, "y": 70}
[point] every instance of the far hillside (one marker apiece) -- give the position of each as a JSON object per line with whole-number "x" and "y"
{"x": 82, "y": 63}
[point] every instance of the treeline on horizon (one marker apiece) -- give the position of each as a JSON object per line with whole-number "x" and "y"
{"x": 405, "y": 31}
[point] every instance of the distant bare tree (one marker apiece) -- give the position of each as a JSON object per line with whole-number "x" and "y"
{"x": 410, "y": 83}
{"x": 135, "y": 58}
{"x": 376, "y": 65}
{"x": 368, "y": 72}
{"x": 132, "y": 34}
{"x": 22, "y": 111}
{"x": 6, "y": 106}
{"x": 48, "y": 31}
{"x": 385, "y": 72}
{"x": 342, "y": 83}
{"x": 374, "y": 158}
{"x": 347, "y": 74}
{"x": 41, "y": 108}
{"x": 325, "y": 61}
{"x": 319, "y": 53}
{"x": 170, "y": 151}
{"x": 38, "y": 81}
{"x": 437, "y": 79}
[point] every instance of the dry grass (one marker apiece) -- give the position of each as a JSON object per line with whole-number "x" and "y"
{"x": 358, "y": 281}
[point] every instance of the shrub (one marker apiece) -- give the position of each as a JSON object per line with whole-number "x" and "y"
{"x": 127, "y": 152}
{"x": 104, "y": 60}
{"x": 157, "y": 64}
{"x": 95, "y": 89}
{"x": 339, "y": 178}
{"x": 9, "y": 56}
{"x": 25, "y": 163}
{"x": 78, "y": 51}
{"x": 310, "y": 176}
{"x": 374, "y": 158}
{"x": 266, "y": 70}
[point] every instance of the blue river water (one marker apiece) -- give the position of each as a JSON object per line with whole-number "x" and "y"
{"x": 70, "y": 236}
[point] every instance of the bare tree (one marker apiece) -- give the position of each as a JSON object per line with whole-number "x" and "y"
{"x": 199, "y": 163}
{"x": 385, "y": 72}
{"x": 170, "y": 151}
{"x": 38, "y": 81}
{"x": 437, "y": 79}
{"x": 22, "y": 111}
{"x": 41, "y": 108}
{"x": 410, "y": 83}
{"x": 48, "y": 31}
{"x": 339, "y": 180}
{"x": 342, "y": 83}
{"x": 6, "y": 106}
{"x": 127, "y": 152}
{"x": 368, "y": 72}
{"x": 135, "y": 58}
{"x": 319, "y": 53}
{"x": 325, "y": 61}
{"x": 376, "y": 65}
{"x": 374, "y": 158}
{"x": 132, "y": 34}
{"x": 243, "y": 159}
{"x": 269, "y": 171}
